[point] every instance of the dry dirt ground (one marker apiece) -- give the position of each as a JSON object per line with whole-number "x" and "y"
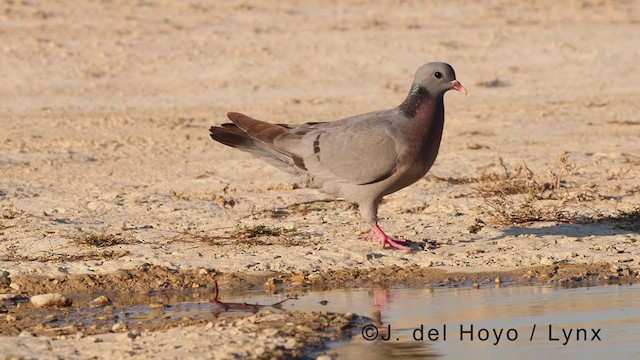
{"x": 106, "y": 163}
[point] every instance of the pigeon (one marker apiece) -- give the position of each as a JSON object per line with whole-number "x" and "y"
{"x": 360, "y": 158}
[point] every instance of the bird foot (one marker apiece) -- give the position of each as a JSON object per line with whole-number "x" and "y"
{"x": 377, "y": 234}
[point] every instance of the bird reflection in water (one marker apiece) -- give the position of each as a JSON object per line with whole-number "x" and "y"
{"x": 400, "y": 345}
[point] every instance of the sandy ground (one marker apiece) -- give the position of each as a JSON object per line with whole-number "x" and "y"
{"x": 106, "y": 107}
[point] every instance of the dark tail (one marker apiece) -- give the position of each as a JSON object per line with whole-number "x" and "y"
{"x": 232, "y": 135}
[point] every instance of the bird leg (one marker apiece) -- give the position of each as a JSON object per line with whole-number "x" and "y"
{"x": 378, "y": 235}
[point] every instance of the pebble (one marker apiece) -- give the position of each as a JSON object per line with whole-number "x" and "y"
{"x": 314, "y": 277}
{"x": 297, "y": 280}
{"x": 121, "y": 326}
{"x": 546, "y": 261}
{"x": 14, "y": 286}
{"x": 101, "y": 300}
{"x": 156, "y": 305}
{"x": 476, "y": 286}
{"x": 54, "y": 299}
{"x": 203, "y": 271}
{"x": 209, "y": 326}
{"x": 290, "y": 344}
{"x": 11, "y": 318}
{"x": 498, "y": 280}
{"x": 270, "y": 332}
{"x": 25, "y": 333}
{"x": 324, "y": 357}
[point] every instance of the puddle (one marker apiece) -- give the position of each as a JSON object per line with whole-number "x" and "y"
{"x": 611, "y": 313}
{"x": 604, "y": 320}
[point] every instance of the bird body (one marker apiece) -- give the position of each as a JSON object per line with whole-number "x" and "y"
{"x": 360, "y": 158}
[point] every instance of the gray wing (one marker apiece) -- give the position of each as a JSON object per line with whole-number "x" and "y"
{"x": 360, "y": 150}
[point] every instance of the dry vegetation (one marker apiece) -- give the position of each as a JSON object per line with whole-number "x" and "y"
{"x": 520, "y": 195}
{"x": 103, "y": 240}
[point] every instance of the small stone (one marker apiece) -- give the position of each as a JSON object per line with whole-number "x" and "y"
{"x": 426, "y": 264}
{"x": 156, "y": 306}
{"x": 203, "y": 271}
{"x": 80, "y": 335}
{"x": 14, "y": 286}
{"x": 324, "y": 357}
{"x": 11, "y": 318}
{"x": 53, "y": 299}
{"x": 121, "y": 326}
{"x": 209, "y": 326}
{"x": 290, "y": 344}
{"x": 100, "y": 301}
{"x": 270, "y": 332}
{"x": 498, "y": 280}
{"x": 298, "y": 280}
{"x": 314, "y": 277}
{"x": 546, "y": 261}
{"x": 476, "y": 286}
{"x": 25, "y": 333}
{"x": 349, "y": 316}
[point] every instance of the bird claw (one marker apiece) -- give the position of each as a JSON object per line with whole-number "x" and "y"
{"x": 386, "y": 240}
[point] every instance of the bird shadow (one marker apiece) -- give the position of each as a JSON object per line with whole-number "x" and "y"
{"x": 623, "y": 223}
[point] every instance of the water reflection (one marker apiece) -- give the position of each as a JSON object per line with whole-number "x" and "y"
{"x": 610, "y": 312}
{"x": 387, "y": 344}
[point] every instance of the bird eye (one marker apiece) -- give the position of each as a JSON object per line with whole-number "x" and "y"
{"x": 437, "y": 74}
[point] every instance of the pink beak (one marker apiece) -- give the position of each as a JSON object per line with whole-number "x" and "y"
{"x": 456, "y": 85}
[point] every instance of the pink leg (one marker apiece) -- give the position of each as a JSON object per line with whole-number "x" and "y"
{"x": 379, "y": 235}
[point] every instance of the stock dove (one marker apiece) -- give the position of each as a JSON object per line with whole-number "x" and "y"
{"x": 360, "y": 158}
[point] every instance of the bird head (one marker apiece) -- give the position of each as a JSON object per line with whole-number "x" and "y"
{"x": 437, "y": 78}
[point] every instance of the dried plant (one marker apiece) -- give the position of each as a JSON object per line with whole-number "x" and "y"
{"x": 521, "y": 196}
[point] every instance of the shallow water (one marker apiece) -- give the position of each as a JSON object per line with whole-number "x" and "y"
{"x": 604, "y": 320}
{"x": 612, "y": 313}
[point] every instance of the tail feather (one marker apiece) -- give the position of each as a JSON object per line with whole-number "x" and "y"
{"x": 260, "y": 130}
{"x": 230, "y": 137}
{"x": 256, "y": 137}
